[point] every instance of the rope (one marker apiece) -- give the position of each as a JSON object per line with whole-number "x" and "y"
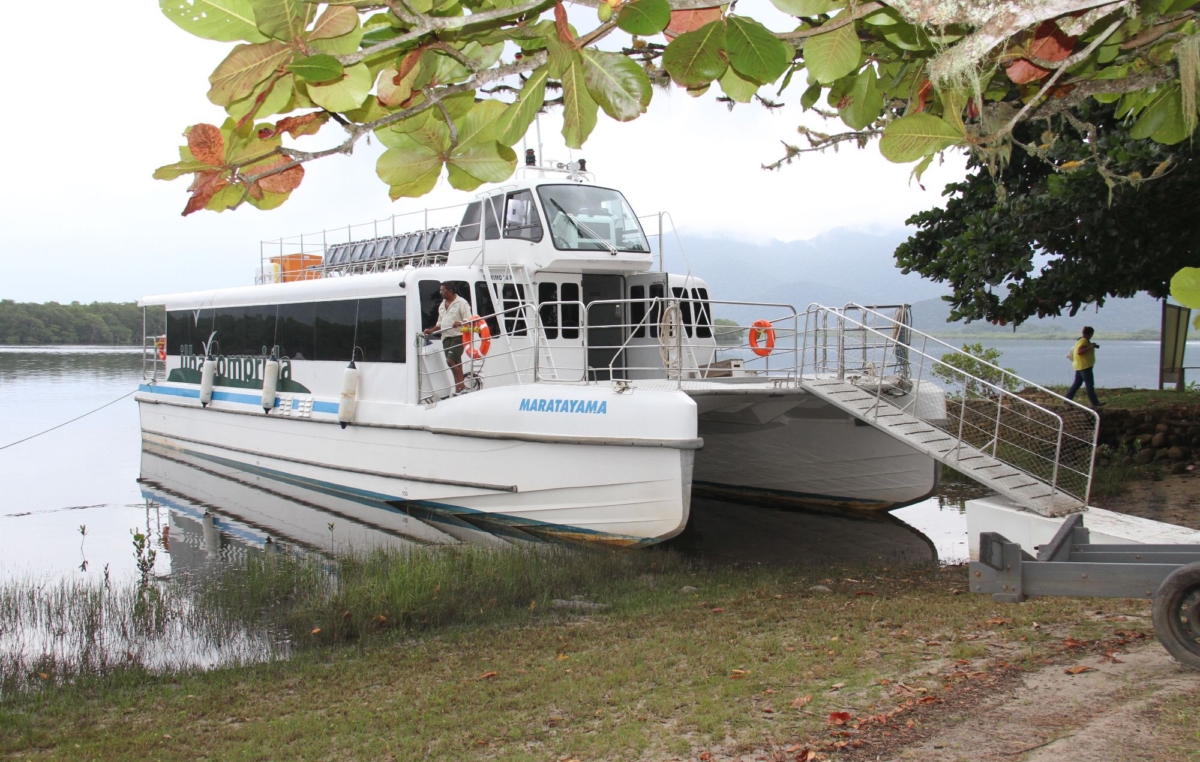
{"x": 76, "y": 418}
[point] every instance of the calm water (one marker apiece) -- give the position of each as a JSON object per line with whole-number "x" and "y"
{"x": 1118, "y": 363}
{"x": 86, "y": 475}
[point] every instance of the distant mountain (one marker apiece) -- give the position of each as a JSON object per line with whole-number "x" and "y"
{"x": 846, "y": 265}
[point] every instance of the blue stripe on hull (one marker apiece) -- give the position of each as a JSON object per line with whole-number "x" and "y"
{"x": 243, "y": 399}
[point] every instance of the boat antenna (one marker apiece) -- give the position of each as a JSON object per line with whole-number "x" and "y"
{"x": 537, "y": 121}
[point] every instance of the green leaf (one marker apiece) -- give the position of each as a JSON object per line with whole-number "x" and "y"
{"x": 220, "y": 20}
{"x": 172, "y": 171}
{"x": 738, "y": 87}
{"x": 268, "y": 201}
{"x": 805, "y": 7}
{"x": 520, "y": 114}
{"x": 1185, "y": 287}
{"x": 810, "y": 97}
{"x": 579, "y": 109}
{"x": 480, "y": 124}
{"x": 1163, "y": 121}
{"x": 487, "y": 162}
{"x": 644, "y": 17}
{"x": 408, "y": 167}
{"x": 754, "y": 51}
{"x": 283, "y": 19}
{"x": 1153, "y": 117}
{"x": 617, "y": 83}
{"x": 345, "y": 94}
{"x": 695, "y": 59}
{"x": 244, "y": 68}
{"x": 833, "y": 55}
{"x": 336, "y": 31}
{"x": 318, "y": 68}
{"x": 915, "y": 136}
{"x": 276, "y": 101}
{"x": 865, "y": 100}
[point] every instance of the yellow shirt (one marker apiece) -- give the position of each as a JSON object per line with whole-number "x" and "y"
{"x": 1083, "y": 361}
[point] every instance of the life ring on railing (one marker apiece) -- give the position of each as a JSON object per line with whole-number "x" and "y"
{"x": 160, "y": 346}
{"x": 765, "y": 328}
{"x": 476, "y": 325}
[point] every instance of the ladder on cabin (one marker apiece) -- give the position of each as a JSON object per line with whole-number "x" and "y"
{"x": 1036, "y": 447}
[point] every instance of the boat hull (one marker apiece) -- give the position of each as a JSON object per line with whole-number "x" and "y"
{"x": 457, "y": 467}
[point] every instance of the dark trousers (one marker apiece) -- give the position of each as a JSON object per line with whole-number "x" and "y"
{"x": 1083, "y": 377}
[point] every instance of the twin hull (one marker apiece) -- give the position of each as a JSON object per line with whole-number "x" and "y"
{"x": 545, "y": 461}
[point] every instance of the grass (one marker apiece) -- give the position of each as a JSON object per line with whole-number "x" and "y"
{"x": 1146, "y": 400}
{"x": 661, "y": 673}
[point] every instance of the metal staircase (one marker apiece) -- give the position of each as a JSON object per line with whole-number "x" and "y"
{"x": 1018, "y": 438}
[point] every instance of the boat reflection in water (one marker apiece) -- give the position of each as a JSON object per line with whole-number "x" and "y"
{"x": 219, "y": 513}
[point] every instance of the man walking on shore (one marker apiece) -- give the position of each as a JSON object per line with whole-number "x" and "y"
{"x": 1083, "y": 358}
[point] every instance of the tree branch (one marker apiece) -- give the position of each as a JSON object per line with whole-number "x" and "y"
{"x": 858, "y": 12}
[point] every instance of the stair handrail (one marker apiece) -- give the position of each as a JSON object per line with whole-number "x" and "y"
{"x": 998, "y": 391}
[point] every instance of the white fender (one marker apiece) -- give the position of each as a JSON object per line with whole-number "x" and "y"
{"x": 270, "y": 383}
{"x": 208, "y": 371}
{"x": 349, "y": 394}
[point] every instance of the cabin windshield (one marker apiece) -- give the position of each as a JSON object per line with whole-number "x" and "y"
{"x": 586, "y": 218}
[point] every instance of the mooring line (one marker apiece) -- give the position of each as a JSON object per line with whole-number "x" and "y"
{"x": 64, "y": 423}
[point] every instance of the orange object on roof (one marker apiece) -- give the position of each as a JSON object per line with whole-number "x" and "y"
{"x": 297, "y": 266}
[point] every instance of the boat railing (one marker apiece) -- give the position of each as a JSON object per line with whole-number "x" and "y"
{"x": 988, "y": 408}
{"x": 509, "y": 360}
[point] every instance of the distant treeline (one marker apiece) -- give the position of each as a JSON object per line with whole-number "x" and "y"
{"x": 74, "y": 323}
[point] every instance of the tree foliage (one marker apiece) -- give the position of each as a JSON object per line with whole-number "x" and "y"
{"x": 973, "y": 365}
{"x": 74, "y": 323}
{"x": 1092, "y": 212}
{"x": 451, "y": 85}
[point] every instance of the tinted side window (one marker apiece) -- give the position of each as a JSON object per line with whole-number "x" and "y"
{"x": 295, "y": 331}
{"x": 656, "y": 292}
{"x": 334, "y": 329}
{"x": 521, "y": 217}
{"x": 430, "y": 299}
{"x": 381, "y": 329}
{"x": 548, "y": 313}
{"x": 513, "y": 296}
{"x": 570, "y": 312}
{"x": 491, "y": 207}
{"x": 484, "y": 307}
{"x": 703, "y": 319}
{"x": 468, "y": 229}
{"x": 685, "y": 308}
{"x": 179, "y": 331}
{"x": 637, "y": 310}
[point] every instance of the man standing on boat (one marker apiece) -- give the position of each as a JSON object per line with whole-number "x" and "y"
{"x": 452, "y": 313}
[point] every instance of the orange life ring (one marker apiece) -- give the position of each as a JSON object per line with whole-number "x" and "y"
{"x": 476, "y": 325}
{"x": 160, "y": 345}
{"x": 768, "y": 331}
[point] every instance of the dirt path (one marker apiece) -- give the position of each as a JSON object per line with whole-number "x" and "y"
{"x": 1113, "y": 713}
{"x": 1175, "y": 499}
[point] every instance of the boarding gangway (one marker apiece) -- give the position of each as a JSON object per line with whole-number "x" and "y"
{"x": 1012, "y": 435}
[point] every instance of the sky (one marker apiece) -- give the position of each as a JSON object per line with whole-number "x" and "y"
{"x": 83, "y": 219}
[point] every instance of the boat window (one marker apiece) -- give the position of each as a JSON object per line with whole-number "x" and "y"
{"x": 703, "y": 318}
{"x": 685, "y": 309}
{"x": 570, "y": 310}
{"x": 431, "y": 299}
{"x": 521, "y": 217}
{"x": 491, "y": 229}
{"x": 381, "y": 325}
{"x": 484, "y": 306}
{"x": 294, "y": 331}
{"x": 468, "y": 229}
{"x": 656, "y": 293}
{"x": 187, "y": 330}
{"x": 637, "y": 310}
{"x": 513, "y": 297}
{"x": 334, "y": 330}
{"x": 587, "y": 218}
{"x": 548, "y": 313}
{"x": 245, "y": 331}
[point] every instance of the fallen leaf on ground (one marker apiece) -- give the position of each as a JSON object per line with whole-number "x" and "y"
{"x": 738, "y": 674}
{"x": 836, "y": 687}
{"x": 1079, "y": 670}
{"x": 838, "y": 718}
{"x": 316, "y": 631}
{"x": 488, "y": 675}
{"x": 800, "y": 702}
{"x": 718, "y": 610}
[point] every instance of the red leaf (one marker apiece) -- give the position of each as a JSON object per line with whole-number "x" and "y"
{"x": 838, "y": 718}
{"x": 1022, "y": 71}
{"x": 284, "y": 182}
{"x": 203, "y": 188}
{"x": 407, "y": 65}
{"x": 1050, "y": 44}
{"x": 922, "y": 95}
{"x": 206, "y": 144}
{"x": 718, "y": 610}
{"x": 305, "y": 124}
{"x": 560, "y": 25}
{"x": 690, "y": 21}
{"x": 488, "y": 675}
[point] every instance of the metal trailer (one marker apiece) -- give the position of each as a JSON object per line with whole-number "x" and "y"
{"x": 1070, "y": 565}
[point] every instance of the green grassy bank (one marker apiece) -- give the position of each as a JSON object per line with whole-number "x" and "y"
{"x": 478, "y": 662}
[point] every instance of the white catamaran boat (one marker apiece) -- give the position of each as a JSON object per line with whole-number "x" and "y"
{"x": 598, "y": 396}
